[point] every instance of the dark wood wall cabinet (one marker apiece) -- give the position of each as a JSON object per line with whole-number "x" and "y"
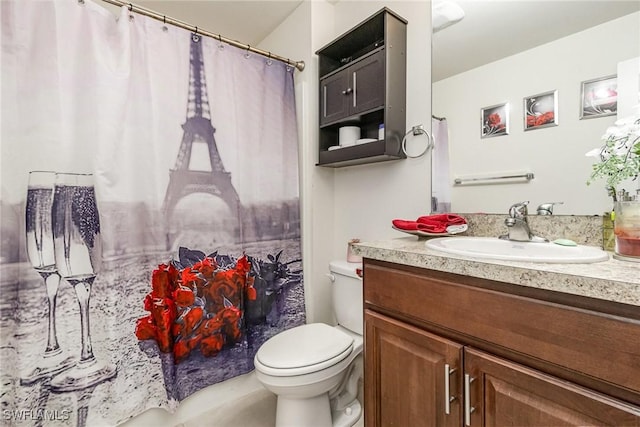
{"x": 443, "y": 349}
{"x": 363, "y": 84}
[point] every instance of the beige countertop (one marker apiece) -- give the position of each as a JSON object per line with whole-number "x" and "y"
{"x": 611, "y": 280}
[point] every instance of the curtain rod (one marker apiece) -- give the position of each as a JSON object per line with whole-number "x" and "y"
{"x": 167, "y": 20}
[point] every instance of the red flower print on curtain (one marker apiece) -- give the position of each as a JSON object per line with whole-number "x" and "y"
{"x": 197, "y": 307}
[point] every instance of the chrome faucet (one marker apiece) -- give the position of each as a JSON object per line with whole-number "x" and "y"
{"x": 547, "y": 208}
{"x": 518, "y": 225}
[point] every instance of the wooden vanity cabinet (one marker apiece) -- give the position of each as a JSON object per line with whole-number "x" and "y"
{"x": 448, "y": 350}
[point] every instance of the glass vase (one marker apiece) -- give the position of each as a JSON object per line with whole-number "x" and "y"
{"x": 627, "y": 230}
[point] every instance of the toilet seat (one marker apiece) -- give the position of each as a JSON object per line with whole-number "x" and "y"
{"x": 302, "y": 350}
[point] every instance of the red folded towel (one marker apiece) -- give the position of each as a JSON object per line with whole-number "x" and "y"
{"x": 406, "y": 225}
{"x": 437, "y": 223}
{"x": 447, "y": 219}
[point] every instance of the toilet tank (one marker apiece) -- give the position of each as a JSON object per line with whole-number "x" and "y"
{"x": 346, "y": 294}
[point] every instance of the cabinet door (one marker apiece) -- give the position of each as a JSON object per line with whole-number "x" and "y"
{"x": 367, "y": 81}
{"x": 504, "y": 393}
{"x": 335, "y": 96}
{"x": 405, "y": 380}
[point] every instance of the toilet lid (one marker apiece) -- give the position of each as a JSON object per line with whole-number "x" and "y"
{"x": 304, "y": 345}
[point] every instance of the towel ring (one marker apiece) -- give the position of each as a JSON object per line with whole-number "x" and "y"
{"x": 417, "y": 130}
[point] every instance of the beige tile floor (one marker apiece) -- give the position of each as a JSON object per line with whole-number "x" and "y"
{"x": 241, "y": 402}
{"x": 257, "y": 409}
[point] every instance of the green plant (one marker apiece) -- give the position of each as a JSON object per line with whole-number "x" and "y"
{"x": 619, "y": 157}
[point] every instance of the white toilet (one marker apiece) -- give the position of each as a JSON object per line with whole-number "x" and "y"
{"x": 314, "y": 369}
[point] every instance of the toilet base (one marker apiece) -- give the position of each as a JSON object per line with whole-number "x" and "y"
{"x": 311, "y": 412}
{"x": 348, "y": 416}
{"x": 315, "y": 412}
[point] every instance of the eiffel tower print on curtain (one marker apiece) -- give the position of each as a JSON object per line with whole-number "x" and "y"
{"x": 198, "y": 128}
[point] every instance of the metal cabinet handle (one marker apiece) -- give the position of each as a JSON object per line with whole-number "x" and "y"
{"x": 447, "y": 389}
{"x": 347, "y": 91}
{"x": 354, "y": 88}
{"x": 324, "y": 100}
{"x": 468, "y": 409}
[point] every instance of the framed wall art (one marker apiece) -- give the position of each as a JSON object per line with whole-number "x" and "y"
{"x": 495, "y": 120}
{"x": 541, "y": 111}
{"x": 599, "y": 97}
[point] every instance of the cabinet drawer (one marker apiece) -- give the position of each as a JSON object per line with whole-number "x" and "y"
{"x": 410, "y": 375}
{"x": 585, "y": 342}
{"x": 367, "y": 79}
{"x": 505, "y": 393}
{"x": 334, "y": 100}
{"x": 354, "y": 90}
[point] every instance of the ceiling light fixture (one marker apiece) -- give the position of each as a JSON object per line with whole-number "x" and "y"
{"x": 444, "y": 14}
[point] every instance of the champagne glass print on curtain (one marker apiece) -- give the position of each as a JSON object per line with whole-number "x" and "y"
{"x": 41, "y": 256}
{"x": 78, "y": 254}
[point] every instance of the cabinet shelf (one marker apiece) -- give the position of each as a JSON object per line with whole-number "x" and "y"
{"x": 369, "y": 152}
{"x": 356, "y": 71}
{"x": 357, "y": 119}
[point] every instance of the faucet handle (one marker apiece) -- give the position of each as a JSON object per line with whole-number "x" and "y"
{"x": 519, "y": 210}
{"x": 547, "y": 208}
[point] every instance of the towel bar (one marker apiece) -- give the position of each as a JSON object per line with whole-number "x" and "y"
{"x": 528, "y": 176}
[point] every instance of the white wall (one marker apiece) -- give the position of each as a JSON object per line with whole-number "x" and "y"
{"x": 556, "y": 155}
{"x": 368, "y": 197}
{"x": 357, "y": 201}
{"x": 629, "y": 88}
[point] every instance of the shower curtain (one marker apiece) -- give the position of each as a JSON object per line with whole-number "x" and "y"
{"x": 441, "y": 182}
{"x": 191, "y": 145}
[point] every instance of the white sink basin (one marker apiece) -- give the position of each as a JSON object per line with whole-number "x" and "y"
{"x": 494, "y": 248}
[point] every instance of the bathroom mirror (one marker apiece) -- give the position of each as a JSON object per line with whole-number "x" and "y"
{"x": 503, "y": 53}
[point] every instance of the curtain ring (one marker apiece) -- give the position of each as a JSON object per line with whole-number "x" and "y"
{"x": 130, "y": 7}
{"x": 220, "y": 45}
{"x": 195, "y": 37}
{"x": 247, "y": 55}
{"x": 164, "y": 19}
{"x": 269, "y": 61}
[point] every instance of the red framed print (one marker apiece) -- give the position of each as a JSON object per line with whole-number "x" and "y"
{"x": 599, "y": 97}
{"x": 495, "y": 120}
{"x": 541, "y": 111}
